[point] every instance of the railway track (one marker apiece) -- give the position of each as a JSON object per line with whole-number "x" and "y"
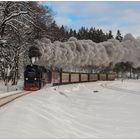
{"x": 107, "y": 86}
{"x": 7, "y": 99}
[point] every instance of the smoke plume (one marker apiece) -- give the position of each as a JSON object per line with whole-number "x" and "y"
{"x": 82, "y": 53}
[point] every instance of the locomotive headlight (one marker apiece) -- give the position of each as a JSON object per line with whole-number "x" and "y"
{"x": 35, "y": 79}
{"x": 26, "y": 78}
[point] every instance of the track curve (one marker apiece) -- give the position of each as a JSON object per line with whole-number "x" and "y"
{"x": 107, "y": 86}
{"x": 7, "y": 99}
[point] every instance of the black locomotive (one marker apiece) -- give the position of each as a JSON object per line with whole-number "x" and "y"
{"x": 35, "y": 77}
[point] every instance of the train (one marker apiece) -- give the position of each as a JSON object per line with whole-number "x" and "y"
{"x": 35, "y": 77}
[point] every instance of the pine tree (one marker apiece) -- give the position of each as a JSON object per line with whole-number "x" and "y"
{"x": 70, "y": 33}
{"x": 62, "y": 34}
{"x": 109, "y": 35}
{"x": 118, "y": 36}
{"x": 74, "y": 33}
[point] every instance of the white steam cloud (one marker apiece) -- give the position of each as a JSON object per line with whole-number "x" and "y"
{"x": 79, "y": 53}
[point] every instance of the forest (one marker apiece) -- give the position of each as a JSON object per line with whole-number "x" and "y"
{"x": 23, "y": 24}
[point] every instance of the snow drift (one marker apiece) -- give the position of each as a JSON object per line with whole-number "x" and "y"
{"x": 80, "y": 53}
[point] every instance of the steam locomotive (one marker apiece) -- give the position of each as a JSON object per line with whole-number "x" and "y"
{"x": 35, "y": 77}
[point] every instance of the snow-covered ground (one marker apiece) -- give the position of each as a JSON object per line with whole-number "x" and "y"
{"x": 11, "y": 89}
{"x": 87, "y": 110}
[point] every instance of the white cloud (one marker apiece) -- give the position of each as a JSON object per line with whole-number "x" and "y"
{"x": 63, "y": 21}
{"x": 131, "y": 15}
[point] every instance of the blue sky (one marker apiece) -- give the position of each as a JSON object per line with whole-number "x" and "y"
{"x": 111, "y": 15}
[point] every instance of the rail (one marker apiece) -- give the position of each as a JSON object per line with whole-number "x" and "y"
{"x": 107, "y": 86}
{"x": 9, "y": 98}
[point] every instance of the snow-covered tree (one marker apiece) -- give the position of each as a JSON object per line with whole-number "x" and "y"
{"x": 20, "y": 23}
